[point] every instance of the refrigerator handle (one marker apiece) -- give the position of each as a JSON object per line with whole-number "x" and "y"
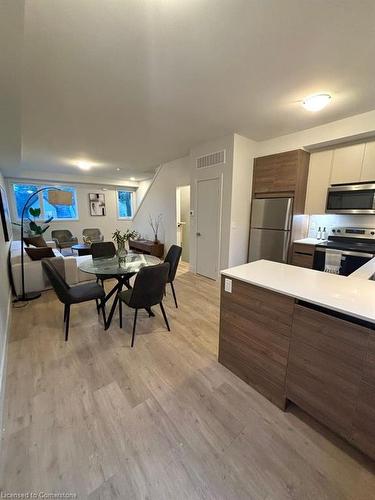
{"x": 289, "y": 210}
{"x": 286, "y": 246}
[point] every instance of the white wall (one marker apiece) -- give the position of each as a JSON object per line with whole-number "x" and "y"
{"x": 224, "y": 172}
{"x": 5, "y": 304}
{"x": 11, "y": 43}
{"x": 243, "y": 159}
{"x": 161, "y": 199}
{"x": 143, "y": 187}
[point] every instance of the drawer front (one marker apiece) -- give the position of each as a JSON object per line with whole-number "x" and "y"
{"x": 303, "y": 255}
{"x": 325, "y": 367}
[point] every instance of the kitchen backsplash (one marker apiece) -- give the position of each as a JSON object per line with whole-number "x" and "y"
{"x": 330, "y": 221}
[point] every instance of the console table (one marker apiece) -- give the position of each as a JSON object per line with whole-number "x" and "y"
{"x": 147, "y": 247}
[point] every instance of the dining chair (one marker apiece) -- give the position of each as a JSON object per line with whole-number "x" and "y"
{"x": 173, "y": 258}
{"x": 100, "y": 250}
{"x": 73, "y": 295}
{"x": 148, "y": 291}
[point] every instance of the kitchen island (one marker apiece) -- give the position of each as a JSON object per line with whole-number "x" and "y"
{"x": 305, "y": 336}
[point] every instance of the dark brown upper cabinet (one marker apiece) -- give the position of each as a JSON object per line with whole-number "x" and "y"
{"x": 282, "y": 173}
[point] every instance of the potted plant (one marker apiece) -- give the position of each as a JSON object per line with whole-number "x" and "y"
{"x": 122, "y": 242}
{"x": 155, "y": 223}
{"x": 34, "y": 228}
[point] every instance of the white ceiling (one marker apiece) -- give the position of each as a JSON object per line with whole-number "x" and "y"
{"x": 133, "y": 83}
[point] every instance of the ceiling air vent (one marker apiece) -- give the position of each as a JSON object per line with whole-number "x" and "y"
{"x": 211, "y": 160}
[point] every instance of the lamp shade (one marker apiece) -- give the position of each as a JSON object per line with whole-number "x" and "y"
{"x": 57, "y": 197}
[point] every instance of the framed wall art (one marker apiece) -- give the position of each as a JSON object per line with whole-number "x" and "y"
{"x": 97, "y": 204}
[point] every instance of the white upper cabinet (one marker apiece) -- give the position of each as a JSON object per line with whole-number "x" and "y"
{"x": 318, "y": 182}
{"x": 368, "y": 167}
{"x": 347, "y": 164}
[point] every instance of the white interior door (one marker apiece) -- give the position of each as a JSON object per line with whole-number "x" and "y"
{"x": 208, "y": 231}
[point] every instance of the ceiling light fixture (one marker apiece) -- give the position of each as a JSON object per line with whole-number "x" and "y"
{"x": 316, "y": 102}
{"x": 83, "y": 164}
{"x": 118, "y": 170}
{"x": 132, "y": 178}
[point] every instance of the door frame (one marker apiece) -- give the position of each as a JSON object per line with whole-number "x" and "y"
{"x": 220, "y": 178}
{"x": 178, "y": 211}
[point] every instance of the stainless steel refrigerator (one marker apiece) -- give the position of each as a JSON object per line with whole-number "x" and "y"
{"x": 270, "y": 229}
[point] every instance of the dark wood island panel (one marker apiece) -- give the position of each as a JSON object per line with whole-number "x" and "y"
{"x": 363, "y": 435}
{"x": 289, "y": 350}
{"x": 325, "y": 367}
{"x": 255, "y": 329}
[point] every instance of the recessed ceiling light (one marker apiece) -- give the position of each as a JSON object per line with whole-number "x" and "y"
{"x": 132, "y": 178}
{"x": 84, "y": 165}
{"x": 118, "y": 170}
{"x": 316, "y": 102}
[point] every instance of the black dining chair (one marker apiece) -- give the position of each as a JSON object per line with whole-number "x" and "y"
{"x": 100, "y": 250}
{"x": 173, "y": 258}
{"x": 73, "y": 295}
{"x": 148, "y": 291}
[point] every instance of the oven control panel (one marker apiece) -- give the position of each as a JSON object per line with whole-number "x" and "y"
{"x": 354, "y": 232}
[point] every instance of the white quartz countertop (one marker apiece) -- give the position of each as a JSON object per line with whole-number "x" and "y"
{"x": 309, "y": 241}
{"x": 353, "y": 295}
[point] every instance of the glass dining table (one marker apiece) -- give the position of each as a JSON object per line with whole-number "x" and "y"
{"x": 122, "y": 272}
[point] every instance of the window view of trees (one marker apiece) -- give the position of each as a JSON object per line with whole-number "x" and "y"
{"x": 23, "y": 191}
{"x": 125, "y": 204}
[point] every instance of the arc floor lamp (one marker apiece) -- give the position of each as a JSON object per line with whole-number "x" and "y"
{"x": 56, "y": 196}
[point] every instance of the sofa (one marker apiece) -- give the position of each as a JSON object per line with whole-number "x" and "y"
{"x": 35, "y": 280}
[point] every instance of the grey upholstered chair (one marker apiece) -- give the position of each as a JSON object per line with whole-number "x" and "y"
{"x": 100, "y": 250}
{"x": 173, "y": 257}
{"x": 73, "y": 295}
{"x": 63, "y": 238}
{"x": 148, "y": 291}
{"x": 94, "y": 234}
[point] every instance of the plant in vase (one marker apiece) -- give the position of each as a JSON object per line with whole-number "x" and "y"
{"x": 122, "y": 242}
{"x": 155, "y": 224}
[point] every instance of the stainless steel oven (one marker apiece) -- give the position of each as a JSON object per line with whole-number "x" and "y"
{"x": 354, "y": 246}
{"x": 351, "y": 199}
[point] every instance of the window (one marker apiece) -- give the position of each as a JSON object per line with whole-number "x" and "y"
{"x": 58, "y": 212}
{"x": 21, "y": 193}
{"x": 125, "y": 204}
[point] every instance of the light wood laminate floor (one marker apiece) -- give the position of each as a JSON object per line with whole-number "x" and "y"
{"x": 161, "y": 421}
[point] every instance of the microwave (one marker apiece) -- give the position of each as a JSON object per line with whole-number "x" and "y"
{"x": 351, "y": 199}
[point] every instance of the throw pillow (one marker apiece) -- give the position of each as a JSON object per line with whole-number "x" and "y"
{"x": 39, "y": 253}
{"x": 35, "y": 241}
